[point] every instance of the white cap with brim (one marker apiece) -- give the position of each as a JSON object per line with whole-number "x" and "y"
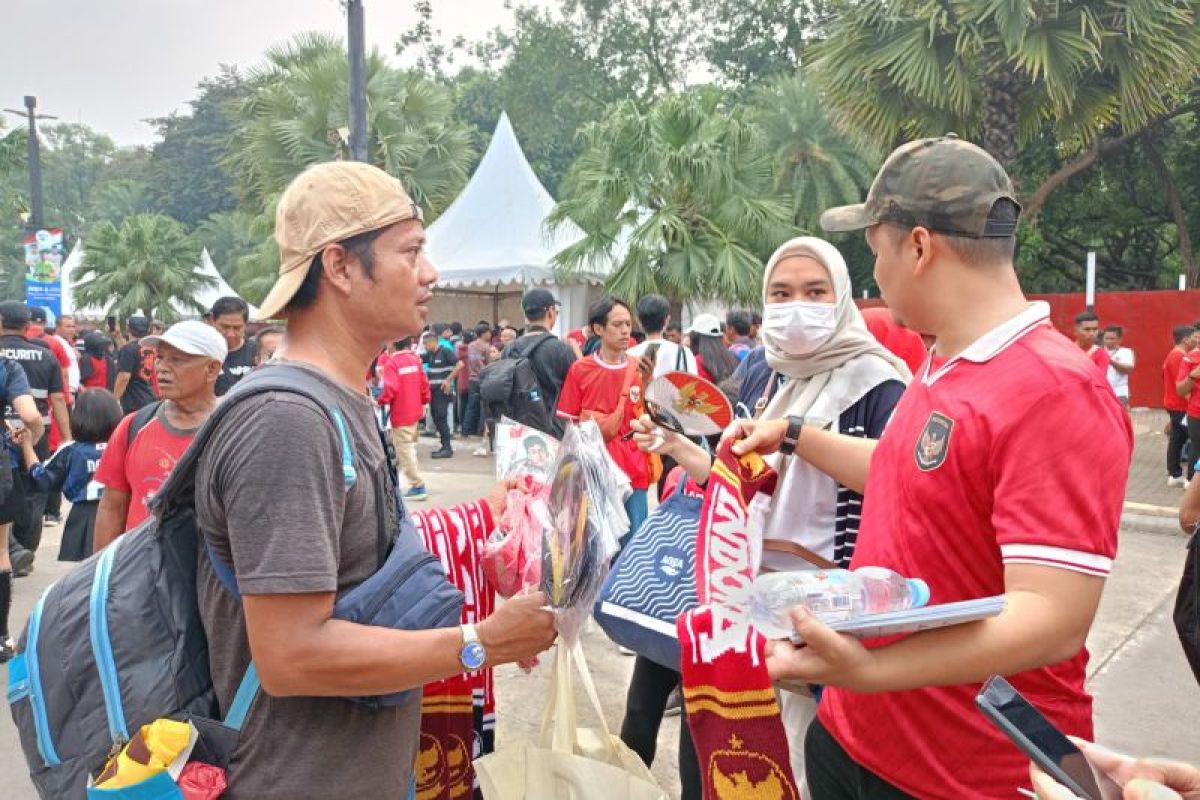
{"x": 707, "y": 324}
{"x": 194, "y": 338}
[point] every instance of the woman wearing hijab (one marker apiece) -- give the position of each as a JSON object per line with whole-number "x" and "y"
{"x": 823, "y": 366}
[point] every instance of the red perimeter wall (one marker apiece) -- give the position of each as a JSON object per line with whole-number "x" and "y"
{"x": 1147, "y": 318}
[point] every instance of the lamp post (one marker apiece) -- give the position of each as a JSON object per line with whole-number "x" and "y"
{"x": 356, "y": 51}
{"x": 36, "y": 206}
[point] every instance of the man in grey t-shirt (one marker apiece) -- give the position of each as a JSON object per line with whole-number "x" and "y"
{"x": 272, "y": 501}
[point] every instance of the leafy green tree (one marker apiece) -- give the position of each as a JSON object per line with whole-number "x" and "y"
{"x": 748, "y": 43}
{"x": 646, "y": 44}
{"x": 12, "y": 149}
{"x": 187, "y": 178}
{"x": 816, "y": 164}
{"x": 114, "y": 200}
{"x": 995, "y": 71}
{"x": 681, "y": 195}
{"x": 550, "y": 80}
{"x": 147, "y": 265}
{"x": 74, "y": 160}
{"x": 1119, "y": 210}
{"x": 297, "y": 116}
{"x": 258, "y": 268}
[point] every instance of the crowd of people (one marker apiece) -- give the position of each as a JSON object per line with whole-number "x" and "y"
{"x": 927, "y": 460}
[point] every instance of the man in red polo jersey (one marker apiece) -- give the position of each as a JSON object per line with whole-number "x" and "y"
{"x": 974, "y": 487}
{"x": 1087, "y": 329}
{"x": 1176, "y": 406}
{"x": 606, "y": 384}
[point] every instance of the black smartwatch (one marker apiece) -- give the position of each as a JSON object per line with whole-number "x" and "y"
{"x": 791, "y": 436}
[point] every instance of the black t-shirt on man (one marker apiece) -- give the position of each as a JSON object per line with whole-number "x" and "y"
{"x": 438, "y": 364}
{"x": 138, "y": 361}
{"x": 44, "y": 373}
{"x": 237, "y": 366}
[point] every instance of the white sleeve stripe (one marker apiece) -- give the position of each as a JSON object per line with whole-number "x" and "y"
{"x": 1077, "y": 560}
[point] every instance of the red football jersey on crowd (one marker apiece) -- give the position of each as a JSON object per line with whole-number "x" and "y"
{"x": 979, "y": 468}
{"x": 141, "y": 468}
{"x": 1171, "y": 399}
{"x": 406, "y": 390}
{"x": 1189, "y": 362}
{"x": 595, "y": 385}
{"x": 1099, "y": 357}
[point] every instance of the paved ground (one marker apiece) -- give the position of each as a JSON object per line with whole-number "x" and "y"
{"x": 1146, "y": 700}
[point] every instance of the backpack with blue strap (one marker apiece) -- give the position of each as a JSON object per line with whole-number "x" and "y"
{"x": 118, "y": 642}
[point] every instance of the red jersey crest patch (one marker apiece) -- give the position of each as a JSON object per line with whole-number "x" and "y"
{"x": 934, "y": 442}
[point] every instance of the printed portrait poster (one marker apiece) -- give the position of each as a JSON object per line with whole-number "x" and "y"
{"x": 44, "y": 255}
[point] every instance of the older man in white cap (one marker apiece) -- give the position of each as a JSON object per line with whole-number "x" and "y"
{"x": 147, "y": 443}
{"x": 272, "y": 501}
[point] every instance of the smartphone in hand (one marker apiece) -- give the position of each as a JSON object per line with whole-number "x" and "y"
{"x": 1045, "y": 744}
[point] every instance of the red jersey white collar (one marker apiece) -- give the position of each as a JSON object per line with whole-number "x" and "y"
{"x": 607, "y": 365}
{"x": 992, "y": 343}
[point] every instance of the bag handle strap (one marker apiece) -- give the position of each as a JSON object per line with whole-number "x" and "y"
{"x": 589, "y": 688}
{"x": 800, "y": 551}
{"x": 559, "y": 723}
{"x": 768, "y": 392}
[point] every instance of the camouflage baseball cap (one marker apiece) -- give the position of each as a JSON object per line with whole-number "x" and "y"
{"x": 945, "y": 184}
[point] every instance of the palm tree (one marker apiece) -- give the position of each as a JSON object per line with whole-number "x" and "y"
{"x": 298, "y": 113}
{"x": 995, "y": 71}
{"x": 229, "y": 235}
{"x": 12, "y": 150}
{"x": 815, "y": 163}
{"x": 148, "y": 265}
{"x": 682, "y": 194}
{"x": 257, "y": 268}
{"x": 115, "y": 200}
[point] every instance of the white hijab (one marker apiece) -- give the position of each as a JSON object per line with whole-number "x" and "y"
{"x": 823, "y": 384}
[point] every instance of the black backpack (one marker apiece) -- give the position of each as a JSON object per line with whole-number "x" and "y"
{"x": 510, "y": 388}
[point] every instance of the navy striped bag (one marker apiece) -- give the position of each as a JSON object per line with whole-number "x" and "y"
{"x": 654, "y": 581}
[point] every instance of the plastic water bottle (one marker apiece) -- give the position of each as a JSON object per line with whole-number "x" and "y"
{"x": 833, "y": 595}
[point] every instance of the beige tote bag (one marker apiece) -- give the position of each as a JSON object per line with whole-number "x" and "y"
{"x": 568, "y": 762}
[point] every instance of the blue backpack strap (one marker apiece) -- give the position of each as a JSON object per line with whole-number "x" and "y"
{"x": 106, "y": 664}
{"x": 240, "y": 707}
{"x": 41, "y": 719}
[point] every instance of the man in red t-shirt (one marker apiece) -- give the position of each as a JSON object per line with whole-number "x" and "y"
{"x": 973, "y": 487}
{"x": 1087, "y": 329}
{"x": 604, "y": 384}
{"x": 189, "y": 359}
{"x": 406, "y": 393}
{"x": 1176, "y": 406}
{"x": 1187, "y": 384}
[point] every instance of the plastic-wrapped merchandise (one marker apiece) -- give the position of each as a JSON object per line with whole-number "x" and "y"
{"x": 562, "y": 524}
{"x": 512, "y": 556}
{"x": 587, "y": 522}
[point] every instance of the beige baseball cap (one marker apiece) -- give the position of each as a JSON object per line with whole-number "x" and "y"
{"x": 329, "y": 203}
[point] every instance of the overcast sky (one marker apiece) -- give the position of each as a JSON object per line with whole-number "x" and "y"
{"x": 113, "y": 63}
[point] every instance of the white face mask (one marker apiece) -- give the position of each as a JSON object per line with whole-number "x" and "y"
{"x": 799, "y": 328}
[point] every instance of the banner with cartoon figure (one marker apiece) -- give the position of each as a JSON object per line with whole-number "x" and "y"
{"x": 44, "y": 254}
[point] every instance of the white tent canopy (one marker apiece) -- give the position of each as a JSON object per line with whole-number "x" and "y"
{"x": 220, "y": 289}
{"x": 494, "y": 234}
{"x": 494, "y": 240}
{"x": 206, "y": 297}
